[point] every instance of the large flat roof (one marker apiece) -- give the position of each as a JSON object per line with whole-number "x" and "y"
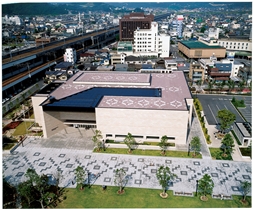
{"x": 172, "y": 87}
{"x": 198, "y": 44}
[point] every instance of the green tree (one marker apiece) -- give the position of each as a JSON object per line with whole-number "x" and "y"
{"x": 58, "y": 178}
{"x": 206, "y": 185}
{"x": 97, "y": 139}
{"x": 241, "y": 85}
{"x": 25, "y": 190}
{"x": 42, "y": 187}
{"x": 219, "y": 86}
{"x": 120, "y": 179}
{"x": 203, "y": 29}
{"x": 231, "y": 85}
{"x": 164, "y": 176}
{"x": 195, "y": 144}
{"x": 32, "y": 176}
{"x": 226, "y": 118}
{"x": 227, "y": 144}
{"x": 199, "y": 83}
{"x": 9, "y": 193}
{"x": 163, "y": 144}
{"x": 246, "y": 188}
{"x": 80, "y": 176}
{"x": 129, "y": 141}
{"x": 210, "y": 85}
{"x": 40, "y": 184}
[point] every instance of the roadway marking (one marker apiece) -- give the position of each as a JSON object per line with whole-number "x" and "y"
{"x": 212, "y": 114}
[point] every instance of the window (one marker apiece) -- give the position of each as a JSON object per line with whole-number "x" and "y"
{"x": 152, "y": 137}
{"x": 171, "y": 138}
{"x": 120, "y": 136}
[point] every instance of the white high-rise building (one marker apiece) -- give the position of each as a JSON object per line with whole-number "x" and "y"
{"x": 70, "y": 55}
{"x": 180, "y": 19}
{"x": 148, "y": 41}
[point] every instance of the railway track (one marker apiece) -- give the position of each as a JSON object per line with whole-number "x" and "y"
{"x": 36, "y": 51}
{"x": 51, "y": 47}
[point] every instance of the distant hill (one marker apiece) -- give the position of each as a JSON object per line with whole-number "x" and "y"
{"x": 184, "y": 5}
{"x": 56, "y": 8}
{"x": 53, "y": 8}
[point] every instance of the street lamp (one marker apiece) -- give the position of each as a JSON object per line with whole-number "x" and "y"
{"x": 197, "y": 181}
{"x": 189, "y": 149}
{"x": 103, "y": 144}
{"x": 88, "y": 179}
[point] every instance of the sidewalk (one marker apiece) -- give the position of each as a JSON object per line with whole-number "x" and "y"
{"x": 216, "y": 143}
{"x": 47, "y": 157}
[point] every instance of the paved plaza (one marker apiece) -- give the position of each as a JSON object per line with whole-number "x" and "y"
{"x": 73, "y": 147}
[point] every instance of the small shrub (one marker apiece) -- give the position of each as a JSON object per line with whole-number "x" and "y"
{"x": 245, "y": 151}
{"x": 208, "y": 140}
{"x": 202, "y": 119}
{"x": 237, "y": 140}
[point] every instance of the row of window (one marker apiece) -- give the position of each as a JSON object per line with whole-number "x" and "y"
{"x": 231, "y": 43}
{"x": 143, "y": 38}
{"x": 137, "y": 136}
{"x": 143, "y": 42}
{"x": 144, "y": 46}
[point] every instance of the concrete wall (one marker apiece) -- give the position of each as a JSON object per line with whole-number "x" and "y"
{"x": 143, "y": 123}
{"x": 52, "y": 123}
{"x": 37, "y": 109}
{"x": 190, "y": 105}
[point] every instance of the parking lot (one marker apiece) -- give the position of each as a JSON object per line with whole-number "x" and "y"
{"x": 246, "y": 111}
{"x": 213, "y": 103}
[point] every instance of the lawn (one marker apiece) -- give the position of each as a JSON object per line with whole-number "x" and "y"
{"x": 21, "y": 128}
{"x": 216, "y": 154}
{"x": 169, "y": 153}
{"x": 95, "y": 197}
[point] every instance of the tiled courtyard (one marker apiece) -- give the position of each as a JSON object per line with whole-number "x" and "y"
{"x": 140, "y": 170}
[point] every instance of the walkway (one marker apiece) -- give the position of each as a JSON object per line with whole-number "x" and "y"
{"x": 48, "y": 155}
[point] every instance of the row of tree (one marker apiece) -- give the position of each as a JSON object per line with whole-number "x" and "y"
{"x": 37, "y": 191}
{"x": 230, "y": 84}
{"x": 129, "y": 141}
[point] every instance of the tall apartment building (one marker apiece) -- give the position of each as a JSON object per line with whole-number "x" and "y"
{"x": 180, "y": 19}
{"x": 70, "y": 55}
{"x": 129, "y": 23}
{"x": 148, "y": 41}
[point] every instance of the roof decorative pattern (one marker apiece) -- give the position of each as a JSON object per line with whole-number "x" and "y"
{"x": 173, "y": 89}
{"x": 113, "y": 78}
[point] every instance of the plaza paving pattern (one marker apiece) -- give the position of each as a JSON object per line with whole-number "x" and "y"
{"x": 140, "y": 170}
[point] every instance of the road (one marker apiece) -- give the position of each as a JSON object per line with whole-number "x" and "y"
{"x": 213, "y": 103}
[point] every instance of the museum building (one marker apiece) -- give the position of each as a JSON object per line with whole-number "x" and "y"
{"x": 147, "y": 105}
